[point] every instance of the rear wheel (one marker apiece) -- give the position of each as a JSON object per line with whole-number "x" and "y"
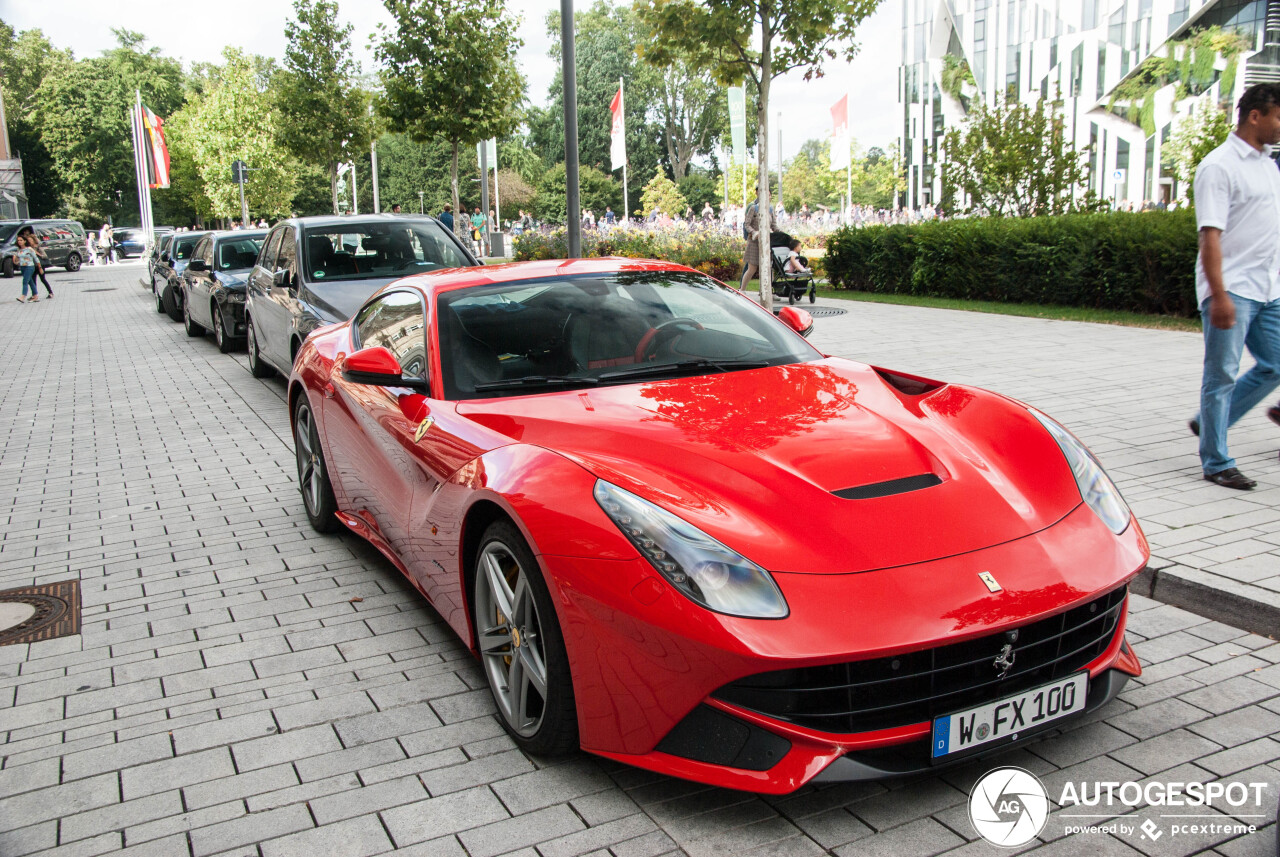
{"x": 258, "y": 367}
{"x": 159, "y": 298}
{"x": 225, "y": 343}
{"x": 193, "y": 329}
{"x": 313, "y": 476}
{"x": 521, "y": 646}
{"x": 73, "y": 262}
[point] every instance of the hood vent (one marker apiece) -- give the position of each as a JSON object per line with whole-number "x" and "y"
{"x": 893, "y": 486}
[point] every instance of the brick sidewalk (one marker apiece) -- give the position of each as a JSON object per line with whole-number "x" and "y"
{"x": 244, "y": 686}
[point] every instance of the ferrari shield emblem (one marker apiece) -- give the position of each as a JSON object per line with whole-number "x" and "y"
{"x": 990, "y": 580}
{"x": 422, "y": 428}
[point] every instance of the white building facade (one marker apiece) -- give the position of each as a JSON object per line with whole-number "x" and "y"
{"x": 1088, "y": 55}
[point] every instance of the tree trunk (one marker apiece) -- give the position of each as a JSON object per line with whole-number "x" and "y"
{"x": 333, "y": 184}
{"x": 457, "y": 212}
{"x": 762, "y": 159}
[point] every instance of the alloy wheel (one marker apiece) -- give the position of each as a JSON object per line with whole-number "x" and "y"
{"x": 510, "y": 639}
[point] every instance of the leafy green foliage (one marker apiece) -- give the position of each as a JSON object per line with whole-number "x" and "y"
{"x": 1196, "y": 135}
{"x": 1138, "y": 262}
{"x": 698, "y": 188}
{"x": 662, "y": 194}
{"x": 957, "y": 77}
{"x": 233, "y": 121}
{"x": 1190, "y": 63}
{"x": 596, "y": 191}
{"x": 324, "y": 115}
{"x": 449, "y": 72}
{"x": 1012, "y": 159}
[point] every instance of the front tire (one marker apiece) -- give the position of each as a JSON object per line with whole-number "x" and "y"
{"x": 225, "y": 343}
{"x": 159, "y": 298}
{"x": 313, "y": 475}
{"x": 521, "y": 647}
{"x": 258, "y": 367}
{"x": 73, "y": 262}
{"x": 193, "y": 330}
{"x": 6, "y": 268}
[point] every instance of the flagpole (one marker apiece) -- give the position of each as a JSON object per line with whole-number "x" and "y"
{"x": 626, "y": 203}
{"x": 148, "y": 216}
{"x": 139, "y": 162}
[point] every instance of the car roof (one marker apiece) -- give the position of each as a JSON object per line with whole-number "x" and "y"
{"x": 333, "y": 220}
{"x": 237, "y": 233}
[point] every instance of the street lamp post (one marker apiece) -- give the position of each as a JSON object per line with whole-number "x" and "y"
{"x": 421, "y": 208}
{"x": 573, "y": 212}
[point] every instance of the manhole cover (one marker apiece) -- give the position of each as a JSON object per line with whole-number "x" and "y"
{"x": 826, "y": 311}
{"x": 55, "y": 613}
{"x": 97, "y": 290}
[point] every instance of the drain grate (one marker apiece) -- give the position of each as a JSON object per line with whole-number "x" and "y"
{"x": 57, "y": 612}
{"x": 826, "y": 311}
{"x": 86, "y": 291}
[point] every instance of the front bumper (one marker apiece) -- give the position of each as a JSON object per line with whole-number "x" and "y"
{"x": 645, "y": 660}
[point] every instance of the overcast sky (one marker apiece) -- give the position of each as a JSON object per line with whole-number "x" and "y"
{"x": 199, "y": 31}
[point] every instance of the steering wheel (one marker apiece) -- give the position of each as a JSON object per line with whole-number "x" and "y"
{"x": 655, "y": 337}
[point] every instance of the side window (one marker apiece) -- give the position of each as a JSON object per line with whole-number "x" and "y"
{"x": 270, "y": 250}
{"x": 288, "y": 257}
{"x": 202, "y": 250}
{"x": 396, "y": 322}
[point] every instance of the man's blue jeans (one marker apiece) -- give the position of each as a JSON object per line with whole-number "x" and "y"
{"x": 1224, "y": 398}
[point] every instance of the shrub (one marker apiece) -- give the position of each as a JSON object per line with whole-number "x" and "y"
{"x": 1134, "y": 261}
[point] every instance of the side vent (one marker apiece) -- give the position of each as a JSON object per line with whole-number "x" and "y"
{"x": 893, "y": 486}
{"x": 908, "y": 384}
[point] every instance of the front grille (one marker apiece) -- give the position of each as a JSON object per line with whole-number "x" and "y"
{"x": 860, "y": 696}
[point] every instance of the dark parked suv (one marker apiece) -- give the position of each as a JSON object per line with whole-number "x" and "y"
{"x": 319, "y": 270}
{"x": 61, "y": 240}
{"x": 213, "y": 285}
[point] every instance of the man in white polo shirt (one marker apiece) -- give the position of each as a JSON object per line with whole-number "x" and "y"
{"x": 1237, "y": 198}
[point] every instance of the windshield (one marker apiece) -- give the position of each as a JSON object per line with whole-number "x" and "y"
{"x": 6, "y": 232}
{"x": 236, "y": 253}
{"x": 364, "y": 251}
{"x": 620, "y": 328}
{"x": 183, "y": 246}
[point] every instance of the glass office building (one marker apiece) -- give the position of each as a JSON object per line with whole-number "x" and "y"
{"x": 1123, "y": 72}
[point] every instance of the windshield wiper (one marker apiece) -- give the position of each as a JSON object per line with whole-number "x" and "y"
{"x": 683, "y": 366}
{"x": 536, "y": 381}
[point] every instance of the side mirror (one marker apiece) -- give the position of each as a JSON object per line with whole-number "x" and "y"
{"x": 281, "y": 278}
{"x": 198, "y": 265}
{"x": 378, "y": 367}
{"x": 797, "y": 319}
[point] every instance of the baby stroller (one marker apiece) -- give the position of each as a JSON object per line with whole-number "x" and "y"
{"x": 791, "y": 286}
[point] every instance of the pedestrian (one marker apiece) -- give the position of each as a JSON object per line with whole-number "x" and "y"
{"x": 41, "y": 258}
{"x": 446, "y": 217}
{"x": 25, "y": 259}
{"x": 751, "y": 228}
{"x": 1237, "y": 192}
{"x": 104, "y": 243}
{"x": 395, "y": 209}
{"x": 609, "y": 217}
{"x": 477, "y": 231}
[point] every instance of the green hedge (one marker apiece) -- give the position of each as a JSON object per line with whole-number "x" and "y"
{"x": 1134, "y": 261}
{"x": 711, "y": 251}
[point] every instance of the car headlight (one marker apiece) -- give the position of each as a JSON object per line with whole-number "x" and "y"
{"x": 701, "y": 568}
{"x": 1097, "y": 489}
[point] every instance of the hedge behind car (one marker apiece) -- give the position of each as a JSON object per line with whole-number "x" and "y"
{"x": 1133, "y": 261}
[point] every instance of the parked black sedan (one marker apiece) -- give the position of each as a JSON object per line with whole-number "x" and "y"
{"x": 319, "y": 270}
{"x": 166, "y": 279}
{"x": 213, "y": 285}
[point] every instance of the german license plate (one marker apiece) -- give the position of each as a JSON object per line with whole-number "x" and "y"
{"x": 1005, "y": 718}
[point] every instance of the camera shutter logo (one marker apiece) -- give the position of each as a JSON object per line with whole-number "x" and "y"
{"x": 1008, "y": 807}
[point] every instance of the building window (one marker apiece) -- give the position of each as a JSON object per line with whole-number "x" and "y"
{"x": 1077, "y": 71}
{"x": 1102, "y": 68}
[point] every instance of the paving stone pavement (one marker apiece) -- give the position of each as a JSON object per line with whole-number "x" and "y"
{"x": 242, "y": 686}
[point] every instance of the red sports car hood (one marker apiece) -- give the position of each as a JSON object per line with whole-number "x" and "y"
{"x": 758, "y": 459}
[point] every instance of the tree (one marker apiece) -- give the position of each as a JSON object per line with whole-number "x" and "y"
{"x": 324, "y": 113}
{"x": 721, "y": 36}
{"x": 81, "y": 110}
{"x": 513, "y": 190}
{"x": 26, "y": 59}
{"x": 1011, "y": 159}
{"x": 1197, "y": 134}
{"x": 235, "y": 121}
{"x": 661, "y": 194}
{"x": 597, "y": 192}
{"x": 604, "y": 42}
{"x": 698, "y": 188}
{"x": 450, "y": 72}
